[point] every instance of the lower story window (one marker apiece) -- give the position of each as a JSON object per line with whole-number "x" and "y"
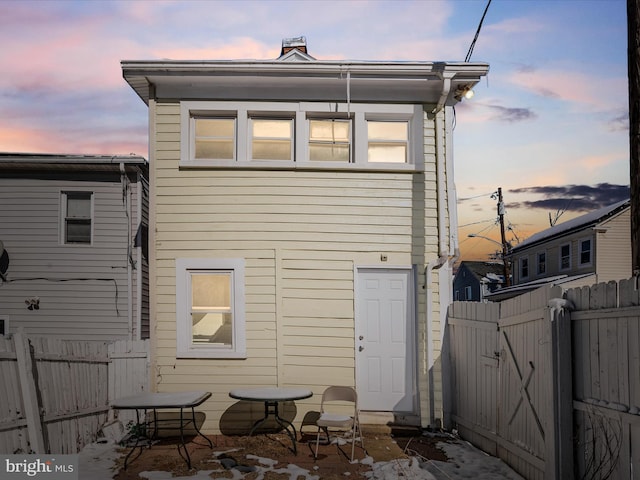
{"x": 210, "y": 308}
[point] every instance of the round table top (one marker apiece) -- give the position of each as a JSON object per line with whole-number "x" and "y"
{"x": 270, "y": 394}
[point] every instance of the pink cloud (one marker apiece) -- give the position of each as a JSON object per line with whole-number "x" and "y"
{"x": 48, "y": 141}
{"x": 591, "y": 91}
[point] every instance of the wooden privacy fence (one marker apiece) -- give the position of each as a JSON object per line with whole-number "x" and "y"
{"x": 550, "y": 381}
{"x": 55, "y": 394}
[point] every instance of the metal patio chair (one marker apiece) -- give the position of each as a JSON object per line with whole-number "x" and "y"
{"x": 335, "y": 400}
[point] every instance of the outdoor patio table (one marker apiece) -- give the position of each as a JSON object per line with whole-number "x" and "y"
{"x": 271, "y": 396}
{"x": 165, "y": 401}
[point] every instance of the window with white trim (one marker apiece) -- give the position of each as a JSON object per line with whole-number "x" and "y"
{"x": 585, "y": 252}
{"x": 329, "y": 140}
{"x": 77, "y": 208}
{"x": 215, "y": 138}
{"x": 565, "y": 256}
{"x": 387, "y": 141}
{"x": 272, "y": 139}
{"x": 541, "y": 264}
{"x": 468, "y": 295}
{"x": 210, "y": 312}
{"x": 294, "y": 135}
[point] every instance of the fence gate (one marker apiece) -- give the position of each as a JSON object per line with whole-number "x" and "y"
{"x": 510, "y": 391}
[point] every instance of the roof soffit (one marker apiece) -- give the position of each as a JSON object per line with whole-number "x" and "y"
{"x": 409, "y": 82}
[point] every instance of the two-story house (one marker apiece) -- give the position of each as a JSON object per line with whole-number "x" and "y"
{"x": 302, "y": 226}
{"x": 591, "y": 248}
{"x": 73, "y": 232}
{"x": 474, "y": 280}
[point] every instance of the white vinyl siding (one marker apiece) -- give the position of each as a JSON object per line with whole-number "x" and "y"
{"x": 300, "y": 233}
{"x": 82, "y": 288}
{"x": 612, "y": 251}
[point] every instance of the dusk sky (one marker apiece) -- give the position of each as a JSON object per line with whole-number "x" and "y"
{"x": 549, "y": 124}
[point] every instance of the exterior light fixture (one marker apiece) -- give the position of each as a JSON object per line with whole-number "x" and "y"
{"x": 463, "y": 91}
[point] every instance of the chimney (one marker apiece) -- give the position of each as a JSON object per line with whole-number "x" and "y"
{"x": 288, "y": 44}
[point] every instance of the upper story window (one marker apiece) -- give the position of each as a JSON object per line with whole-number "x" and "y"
{"x": 272, "y": 139}
{"x": 585, "y": 252}
{"x": 329, "y": 140}
{"x": 565, "y": 256}
{"x": 293, "y": 135}
{"x": 210, "y": 311}
{"x": 76, "y": 217}
{"x": 387, "y": 141}
{"x": 215, "y": 138}
{"x": 524, "y": 268}
{"x": 541, "y": 266}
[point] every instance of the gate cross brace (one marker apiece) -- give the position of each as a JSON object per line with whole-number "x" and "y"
{"x": 524, "y": 384}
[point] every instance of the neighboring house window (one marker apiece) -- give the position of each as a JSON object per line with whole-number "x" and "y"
{"x": 585, "y": 252}
{"x": 271, "y": 139}
{"x": 210, "y": 309}
{"x": 467, "y": 293}
{"x": 565, "y": 256}
{"x": 215, "y": 138}
{"x": 524, "y": 268}
{"x": 329, "y": 140}
{"x": 76, "y": 217}
{"x": 457, "y": 295}
{"x": 541, "y": 268}
{"x": 387, "y": 141}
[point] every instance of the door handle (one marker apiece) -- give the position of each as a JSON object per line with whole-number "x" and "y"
{"x": 360, "y": 348}
{"x": 361, "y": 337}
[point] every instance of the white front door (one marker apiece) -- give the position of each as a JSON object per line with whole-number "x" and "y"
{"x": 385, "y": 336}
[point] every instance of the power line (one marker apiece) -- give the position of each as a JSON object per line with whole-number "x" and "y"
{"x": 473, "y": 43}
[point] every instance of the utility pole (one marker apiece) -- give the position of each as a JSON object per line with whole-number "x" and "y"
{"x": 633, "y": 49}
{"x": 505, "y": 245}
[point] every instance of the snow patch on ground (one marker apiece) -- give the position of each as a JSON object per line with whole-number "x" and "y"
{"x": 98, "y": 462}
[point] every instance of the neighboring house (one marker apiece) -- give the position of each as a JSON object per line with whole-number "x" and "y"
{"x": 592, "y": 248}
{"x": 475, "y": 280}
{"x": 303, "y": 225}
{"x": 73, "y": 229}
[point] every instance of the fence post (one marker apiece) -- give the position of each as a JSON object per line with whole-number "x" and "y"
{"x": 560, "y": 443}
{"x": 29, "y": 391}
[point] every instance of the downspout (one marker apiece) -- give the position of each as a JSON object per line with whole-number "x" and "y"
{"x": 127, "y": 208}
{"x": 443, "y": 252}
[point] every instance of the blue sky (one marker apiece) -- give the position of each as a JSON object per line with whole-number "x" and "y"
{"x": 548, "y": 125}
